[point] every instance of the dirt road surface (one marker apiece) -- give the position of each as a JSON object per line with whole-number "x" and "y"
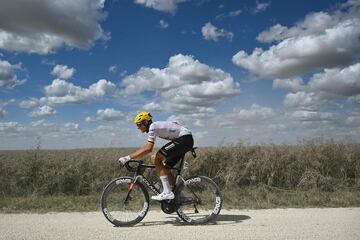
{"x": 336, "y": 223}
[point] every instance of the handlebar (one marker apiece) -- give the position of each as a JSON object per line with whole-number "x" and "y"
{"x": 129, "y": 167}
{"x": 132, "y": 165}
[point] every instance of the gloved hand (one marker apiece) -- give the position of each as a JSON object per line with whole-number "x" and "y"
{"x": 124, "y": 160}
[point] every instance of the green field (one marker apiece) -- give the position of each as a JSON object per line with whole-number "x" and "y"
{"x": 312, "y": 173}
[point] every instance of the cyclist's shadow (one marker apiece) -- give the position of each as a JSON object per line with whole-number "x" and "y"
{"x": 231, "y": 218}
{"x": 222, "y": 219}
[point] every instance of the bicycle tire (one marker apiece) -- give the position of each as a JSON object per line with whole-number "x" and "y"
{"x": 207, "y": 200}
{"x": 114, "y": 208}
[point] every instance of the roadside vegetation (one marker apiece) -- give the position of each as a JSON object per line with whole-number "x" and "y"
{"x": 312, "y": 173}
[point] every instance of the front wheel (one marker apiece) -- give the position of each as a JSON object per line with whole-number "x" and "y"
{"x": 124, "y": 203}
{"x": 199, "y": 200}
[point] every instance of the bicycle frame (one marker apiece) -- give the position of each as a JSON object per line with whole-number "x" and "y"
{"x": 139, "y": 176}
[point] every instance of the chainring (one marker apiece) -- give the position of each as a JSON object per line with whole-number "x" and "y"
{"x": 169, "y": 208}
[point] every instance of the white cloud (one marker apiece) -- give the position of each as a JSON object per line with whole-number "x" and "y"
{"x": 63, "y": 72}
{"x": 112, "y": 69}
{"x": 90, "y": 119}
{"x": 343, "y": 82}
{"x": 11, "y": 127}
{"x": 230, "y": 14}
{"x": 260, "y": 7}
{"x": 66, "y": 135}
{"x": 110, "y": 114}
{"x": 44, "y": 129}
{"x": 63, "y": 92}
{"x": 107, "y": 114}
{"x": 181, "y": 70}
{"x": 49, "y": 25}
{"x": 154, "y": 107}
{"x": 190, "y": 109}
{"x": 353, "y": 120}
{"x": 304, "y": 100}
{"x": 323, "y": 90}
{"x": 355, "y": 99}
{"x": 72, "y": 127}
{"x": 161, "y": 5}
{"x": 32, "y": 102}
{"x": 292, "y": 84}
{"x": 3, "y": 104}
{"x": 2, "y": 112}
{"x": 303, "y": 115}
{"x": 163, "y": 24}
{"x": 47, "y": 61}
{"x": 313, "y": 24}
{"x": 123, "y": 73}
{"x": 8, "y": 78}
{"x": 235, "y": 13}
{"x": 250, "y": 116}
{"x": 41, "y": 123}
{"x": 210, "y": 32}
{"x": 200, "y": 135}
{"x": 42, "y": 111}
{"x": 185, "y": 85}
{"x": 275, "y": 33}
{"x": 203, "y": 94}
{"x": 333, "y": 39}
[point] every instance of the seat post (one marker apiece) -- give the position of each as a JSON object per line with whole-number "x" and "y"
{"x": 179, "y": 169}
{"x": 182, "y": 162}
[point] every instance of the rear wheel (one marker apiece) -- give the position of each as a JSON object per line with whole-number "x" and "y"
{"x": 124, "y": 204}
{"x": 199, "y": 200}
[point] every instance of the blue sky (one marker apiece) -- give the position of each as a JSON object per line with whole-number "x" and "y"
{"x": 73, "y": 74}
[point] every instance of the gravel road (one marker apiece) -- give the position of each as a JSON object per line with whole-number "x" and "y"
{"x": 314, "y": 223}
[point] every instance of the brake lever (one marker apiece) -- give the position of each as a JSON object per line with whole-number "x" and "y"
{"x": 128, "y": 167}
{"x": 121, "y": 166}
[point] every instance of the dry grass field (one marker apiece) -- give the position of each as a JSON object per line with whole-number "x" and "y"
{"x": 312, "y": 173}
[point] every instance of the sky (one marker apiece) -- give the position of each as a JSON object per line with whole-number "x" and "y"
{"x": 73, "y": 74}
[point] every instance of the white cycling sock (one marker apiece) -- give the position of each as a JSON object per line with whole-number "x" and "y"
{"x": 166, "y": 184}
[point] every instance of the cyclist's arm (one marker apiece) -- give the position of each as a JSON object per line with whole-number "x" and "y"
{"x": 143, "y": 151}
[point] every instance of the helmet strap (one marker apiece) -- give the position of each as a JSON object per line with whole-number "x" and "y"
{"x": 149, "y": 122}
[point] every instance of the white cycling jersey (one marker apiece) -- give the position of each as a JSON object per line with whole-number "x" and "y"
{"x": 168, "y": 130}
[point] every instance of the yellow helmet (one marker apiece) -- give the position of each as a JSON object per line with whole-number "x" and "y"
{"x": 142, "y": 117}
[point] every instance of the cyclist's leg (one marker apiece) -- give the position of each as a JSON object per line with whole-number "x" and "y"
{"x": 158, "y": 160}
{"x": 172, "y": 152}
{"x": 165, "y": 177}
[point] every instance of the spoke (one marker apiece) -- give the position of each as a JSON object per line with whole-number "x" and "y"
{"x": 125, "y": 204}
{"x": 200, "y": 202}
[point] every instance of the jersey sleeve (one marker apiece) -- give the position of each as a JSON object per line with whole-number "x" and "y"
{"x": 152, "y": 134}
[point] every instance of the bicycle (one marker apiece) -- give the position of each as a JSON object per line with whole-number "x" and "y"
{"x": 125, "y": 200}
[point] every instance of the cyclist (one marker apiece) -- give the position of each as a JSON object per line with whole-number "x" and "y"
{"x": 181, "y": 141}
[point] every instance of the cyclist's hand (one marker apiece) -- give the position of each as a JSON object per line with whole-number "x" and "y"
{"x": 124, "y": 160}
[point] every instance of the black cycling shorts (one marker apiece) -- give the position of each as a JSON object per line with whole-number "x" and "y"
{"x": 176, "y": 149}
